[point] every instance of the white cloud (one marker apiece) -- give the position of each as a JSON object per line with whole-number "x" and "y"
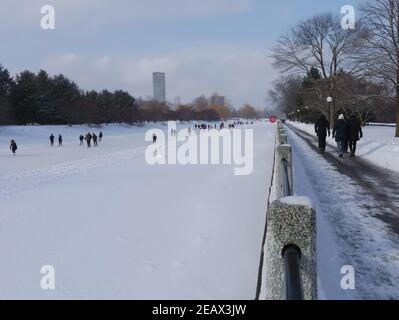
{"x": 102, "y": 62}
{"x": 243, "y": 75}
{"x": 63, "y": 61}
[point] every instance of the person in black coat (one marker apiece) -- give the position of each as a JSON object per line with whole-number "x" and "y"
{"x": 52, "y": 140}
{"x": 88, "y": 139}
{"x": 13, "y": 146}
{"x": 340, "y": 134}
{"x": 60, "y": 140}
{"x": 322, "y": 128}
{"x": 345, "y": 145}
{"x": 95, "y": 138}
{"x": 81, "y": 138}
{"x": 355, "y": 133}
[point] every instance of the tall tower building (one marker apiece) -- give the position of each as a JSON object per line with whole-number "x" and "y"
{"x": 158, "y": 80}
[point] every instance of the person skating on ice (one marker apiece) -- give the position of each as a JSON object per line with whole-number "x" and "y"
{"x": 13, "y": 146}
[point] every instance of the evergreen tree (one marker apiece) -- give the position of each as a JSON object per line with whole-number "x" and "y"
{"x": 6, "y": 81}
{"x": 25, "y": 97}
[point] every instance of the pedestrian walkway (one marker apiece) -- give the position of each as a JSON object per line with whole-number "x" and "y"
{"x": 358, "y": 203}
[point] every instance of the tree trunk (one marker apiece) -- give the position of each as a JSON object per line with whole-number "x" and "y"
{"x": 397, "y": 101}
{"x": 397, "y": 71}
{"x": 397, "y": 112}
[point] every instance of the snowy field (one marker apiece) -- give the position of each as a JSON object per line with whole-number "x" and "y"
{"x": 115, "y": 227}
{"x": 378, "y": 145}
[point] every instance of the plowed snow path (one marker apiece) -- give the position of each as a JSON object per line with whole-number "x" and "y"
{"x": 30, "y": 179}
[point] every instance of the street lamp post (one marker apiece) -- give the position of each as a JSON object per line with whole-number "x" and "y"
{"x": 329, "y": 100}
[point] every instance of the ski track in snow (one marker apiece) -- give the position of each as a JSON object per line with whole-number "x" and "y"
{"x": 33, "y": 178}
{"x": 361, "y": 239}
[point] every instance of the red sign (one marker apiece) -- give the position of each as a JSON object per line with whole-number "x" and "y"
{"x": 273, "y": 119}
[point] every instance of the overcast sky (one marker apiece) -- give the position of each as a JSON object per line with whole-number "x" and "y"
{"x": 204, "y": 46}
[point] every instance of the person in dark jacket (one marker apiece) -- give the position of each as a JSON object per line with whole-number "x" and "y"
{"x": 322, "y": 128}
{"x": 60, "y": 140}
{"x": 94, "y": 139}
{"x": 88, "y": 139}
{"x": 81, "y": 138}
{"x": 13, "y": 146}
{"x": 100, "y": 136}
{"x": 345, "y": 144}
{"x": 355, "y": 133}
{"x": 52, "y": 140}
{"x": 339, "y": 133}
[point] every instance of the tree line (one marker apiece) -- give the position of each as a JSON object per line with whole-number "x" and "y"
{"x": 38, "y": 98}
{"x": 357, "y": 68}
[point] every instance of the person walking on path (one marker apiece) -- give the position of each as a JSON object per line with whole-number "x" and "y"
{"x": 52, "y": 140}
{"x": 100, "y": 136}
{"x": 13, "y": 146}
{"x": 154, "y": 138}
{"x": 339, "y": 133}
{"x": 60, "y": 140}
{"x": 345, "y": 145}
{"x": 322, "y": 128}
{"x": 355, "y": 133}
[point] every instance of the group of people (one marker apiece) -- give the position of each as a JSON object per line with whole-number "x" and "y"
{"x": 204, "y": 126}
{"x": 52, "y": 138}
{"x": 346, "y": 132}
{"x": 89, "y": 137}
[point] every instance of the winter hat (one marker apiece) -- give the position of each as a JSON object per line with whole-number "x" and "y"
{"x": 341, "y": 117}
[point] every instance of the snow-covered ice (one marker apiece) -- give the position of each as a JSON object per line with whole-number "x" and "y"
{"x": 113, "y": 226}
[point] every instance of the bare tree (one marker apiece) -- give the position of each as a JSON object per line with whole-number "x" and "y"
{"x": 320, "y": 42}
{"x": 248, "y": 112}
{"x": 155, "y": 111}
{"x": 201, "y": 103}
{"x": 380, "y": 55}
{"x": 285, "y": 92}
{"x": 354, "y": 95}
